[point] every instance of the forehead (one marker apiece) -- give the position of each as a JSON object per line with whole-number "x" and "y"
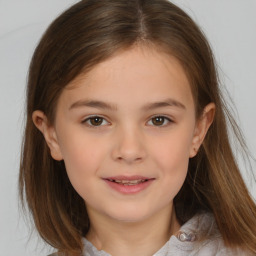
{"x": 138, "y": 74}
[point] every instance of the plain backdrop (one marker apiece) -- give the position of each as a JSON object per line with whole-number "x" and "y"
{"x": 230, "y": 26}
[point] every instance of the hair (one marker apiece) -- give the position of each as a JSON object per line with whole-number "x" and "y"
{"x": 88, "y": 33}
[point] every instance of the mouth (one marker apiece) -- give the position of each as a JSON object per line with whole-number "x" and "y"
{"x": 129, "y": 182}
{"x": 129, "y": 185}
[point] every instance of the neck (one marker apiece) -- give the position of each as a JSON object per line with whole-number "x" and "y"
{"x": 145, "y": 237}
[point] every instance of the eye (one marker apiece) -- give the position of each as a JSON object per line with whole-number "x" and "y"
{"x": 95, "y": 121}
{"x": 160, "y": 121}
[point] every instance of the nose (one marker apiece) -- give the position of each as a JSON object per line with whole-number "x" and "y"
{"x": 129, "y": 146}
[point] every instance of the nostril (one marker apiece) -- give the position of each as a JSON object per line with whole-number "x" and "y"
{"x": 129, "y": 159}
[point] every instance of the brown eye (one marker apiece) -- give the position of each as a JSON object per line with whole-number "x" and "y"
{"x": 94, "y": 121}
{"x": 159, "y": 121}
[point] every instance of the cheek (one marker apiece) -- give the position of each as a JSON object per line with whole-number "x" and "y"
{"x": 171, "y": 154}
{"x": 172, "y": 162}
{"x": 83, "y": 157}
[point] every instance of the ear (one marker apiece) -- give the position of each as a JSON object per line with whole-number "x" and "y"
{"x": 202, "y": 126}
{"x": 41, "y": 122}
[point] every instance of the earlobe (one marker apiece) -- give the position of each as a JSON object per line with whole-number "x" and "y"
{"x": 201, "y": 128}
{"x": 41, "y": 122}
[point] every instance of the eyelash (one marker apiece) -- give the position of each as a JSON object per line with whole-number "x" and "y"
{"x": 90, "y": 118}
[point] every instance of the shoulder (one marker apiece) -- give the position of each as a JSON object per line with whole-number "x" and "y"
{"x": 56, "y": 254}
{"x": 209, "y": 240}
{"x": 217, "y": 248}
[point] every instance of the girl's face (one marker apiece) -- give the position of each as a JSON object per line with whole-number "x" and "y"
{"x": 126, "y": 131}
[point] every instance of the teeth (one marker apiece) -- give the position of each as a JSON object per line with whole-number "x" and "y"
{"x": 128, "y": 182}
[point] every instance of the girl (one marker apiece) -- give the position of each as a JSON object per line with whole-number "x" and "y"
{"x": 126, "y": 149}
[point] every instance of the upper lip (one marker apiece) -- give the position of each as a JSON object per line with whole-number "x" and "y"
{"x": 128, "y": 178}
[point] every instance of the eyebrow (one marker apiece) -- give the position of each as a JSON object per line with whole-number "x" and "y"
{"x": 104, "y": 105}
{"x": 165, "y": 103}
{"x": 93, "y": 104}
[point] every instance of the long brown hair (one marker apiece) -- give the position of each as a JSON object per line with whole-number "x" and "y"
{"x": 83, "y": 36}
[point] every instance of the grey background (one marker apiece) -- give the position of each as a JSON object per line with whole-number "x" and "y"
{"x": 230, "y": 26}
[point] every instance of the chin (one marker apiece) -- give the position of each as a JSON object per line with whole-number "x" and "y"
{"x": 130, "y": 215}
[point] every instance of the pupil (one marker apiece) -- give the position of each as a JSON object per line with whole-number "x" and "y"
{"x": 158, "y": 120}
{"x": 96, "y": 121}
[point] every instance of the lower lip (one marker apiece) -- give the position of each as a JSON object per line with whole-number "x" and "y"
{"x": 129, "y": 189}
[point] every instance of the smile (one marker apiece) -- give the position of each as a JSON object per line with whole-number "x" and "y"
{"x": 129, "y": 182}
{"x": 129, "y": 185}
